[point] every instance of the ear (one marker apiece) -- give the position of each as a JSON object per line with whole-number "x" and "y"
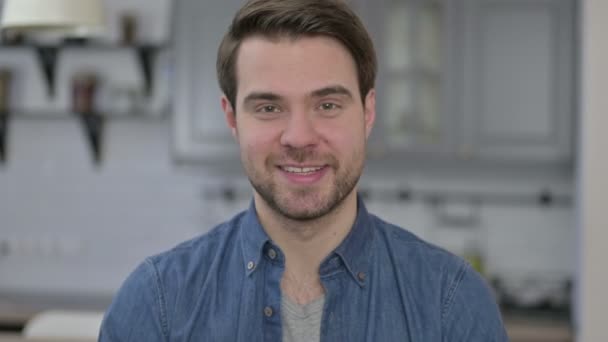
{"x": 370, "y": 111}
{"x": 230, "y": 115}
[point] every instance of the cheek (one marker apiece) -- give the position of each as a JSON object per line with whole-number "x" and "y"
{"x": 343, "y": 136}
{"x": 257, "y": 143}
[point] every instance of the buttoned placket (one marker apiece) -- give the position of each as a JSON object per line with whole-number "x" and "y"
{"x": 273, "y": 264}
{"x": 334, "y": 273}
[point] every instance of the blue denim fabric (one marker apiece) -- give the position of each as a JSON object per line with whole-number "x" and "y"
{"x": 382, "y": 284}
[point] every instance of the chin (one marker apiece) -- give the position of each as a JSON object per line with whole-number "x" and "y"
{"x": 306, "y": 207}
{"x": 303, "y": 215}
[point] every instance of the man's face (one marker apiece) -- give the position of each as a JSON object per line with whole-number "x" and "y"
{"x": 300, "y": 123}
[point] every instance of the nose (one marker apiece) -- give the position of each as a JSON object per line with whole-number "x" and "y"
{"x": 299, "y": 131}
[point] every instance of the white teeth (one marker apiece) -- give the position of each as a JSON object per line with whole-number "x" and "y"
{"x": 303, "y": 170}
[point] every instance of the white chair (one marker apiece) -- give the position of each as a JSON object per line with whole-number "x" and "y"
{"x": 59, "y": 324}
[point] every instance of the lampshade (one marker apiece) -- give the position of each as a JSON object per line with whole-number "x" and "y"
{"x": 73, "y": 17}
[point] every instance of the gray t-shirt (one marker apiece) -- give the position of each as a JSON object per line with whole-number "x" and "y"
{"x": 301, "y": 323}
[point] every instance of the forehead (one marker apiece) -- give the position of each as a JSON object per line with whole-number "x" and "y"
{"x": 288, "y": 66}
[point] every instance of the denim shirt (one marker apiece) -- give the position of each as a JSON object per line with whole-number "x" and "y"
{"x": 382, "y": 283}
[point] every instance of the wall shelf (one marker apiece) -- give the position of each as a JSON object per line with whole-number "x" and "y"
{"x": 48, "y": 55}
{"x": 92, "y": 123}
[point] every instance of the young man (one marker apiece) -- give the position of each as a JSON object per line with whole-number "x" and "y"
{"x": 306, "y": 261}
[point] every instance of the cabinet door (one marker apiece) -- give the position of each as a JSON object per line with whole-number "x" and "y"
{"x": 201, "y": 134}
{"x": 412, "y": 39}
{"x": 518, "y": 79}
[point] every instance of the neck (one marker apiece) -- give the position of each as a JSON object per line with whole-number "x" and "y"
{"x": 306, "y": 243}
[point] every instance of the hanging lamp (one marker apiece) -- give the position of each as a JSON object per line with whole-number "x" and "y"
{"x": 69, "y": 17}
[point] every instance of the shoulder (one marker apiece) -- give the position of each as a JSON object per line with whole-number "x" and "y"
{"x": 467, "y": 306}
{"x": 199, "y": 251}
{"x": 429, "y": 270}
{"x": 140, "y": 307}
{"x": 188, "y": 263}
{"x": 471, "y": 313}
{"x": 404, "y": 245}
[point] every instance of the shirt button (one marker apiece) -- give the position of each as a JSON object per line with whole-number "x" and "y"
{"x": 268, "y": 311}
{"x": 272, "y": 254}
{"x": 361, "y": 276}
{"x": 250, "y": 265}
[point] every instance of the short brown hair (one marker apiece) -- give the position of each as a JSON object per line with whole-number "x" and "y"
{"x": 293, "y": 19}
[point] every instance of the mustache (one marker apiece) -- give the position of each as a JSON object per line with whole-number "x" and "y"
{"x": 301, "y": 155}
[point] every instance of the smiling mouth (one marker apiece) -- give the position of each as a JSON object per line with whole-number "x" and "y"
{"x": 302, "y": 170}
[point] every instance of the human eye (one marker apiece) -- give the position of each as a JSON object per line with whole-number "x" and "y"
{"x": 268, "y": 108}
{"x": 329, "y": 108}
{"x": 267, "y": 111}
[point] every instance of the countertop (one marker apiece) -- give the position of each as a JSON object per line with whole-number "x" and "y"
{"x": 19, "y": 338}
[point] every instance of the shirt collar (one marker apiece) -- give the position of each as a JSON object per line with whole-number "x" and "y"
{"x": 353, "y": 252}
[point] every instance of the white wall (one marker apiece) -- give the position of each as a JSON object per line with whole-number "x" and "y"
{"x": 68, "y": 226}
{"x": 593, "y": 169}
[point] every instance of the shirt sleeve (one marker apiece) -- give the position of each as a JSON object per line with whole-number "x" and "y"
{"x": 470, "y": 313}
{"x": 137, "y": 312}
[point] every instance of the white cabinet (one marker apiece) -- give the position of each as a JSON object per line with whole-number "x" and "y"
{"x": 487, "y": 80}
{"x": 201, "y": 134}
{"x": 412, "y": 40}
{"x": 518, "y": 79}
{"x": 412, "y": 79}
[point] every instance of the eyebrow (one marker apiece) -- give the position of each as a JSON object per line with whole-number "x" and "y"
{"x": 332, "y": 90}
{"x": 266, "y": 96}
{"x": 326, "y": 91}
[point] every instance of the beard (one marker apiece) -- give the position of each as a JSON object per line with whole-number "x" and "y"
{"x": 310, "y": 202}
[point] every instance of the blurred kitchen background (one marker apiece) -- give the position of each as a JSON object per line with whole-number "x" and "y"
{"x": 115, "y": 148}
